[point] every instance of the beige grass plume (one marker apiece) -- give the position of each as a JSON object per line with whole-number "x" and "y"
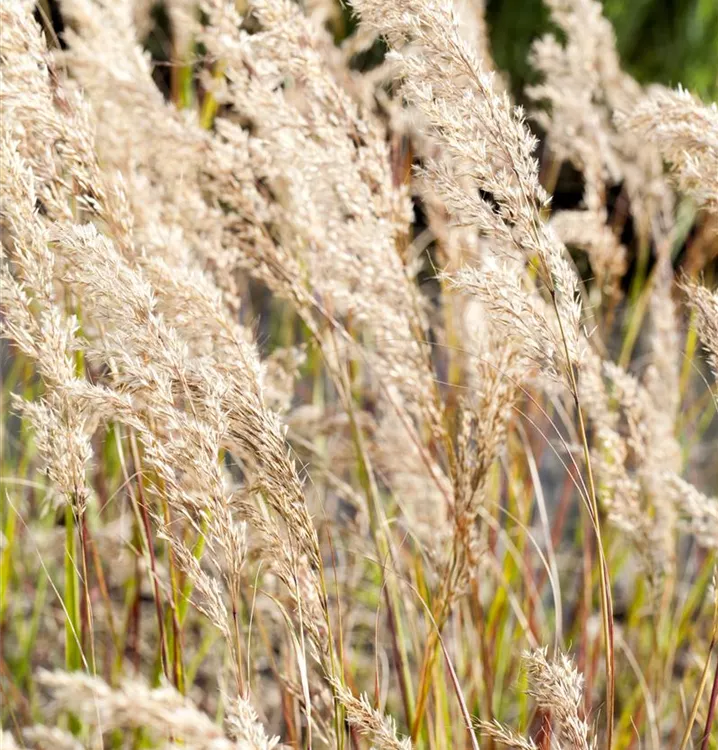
{"x": 705, "y": 304}
{"x": 162, "y": 711}
{"x": 557, "y": 688}
{"x": 686, "y": 133}
{"x": 369, "y": 722}
{"x": 35, "y": 321}
{"x": 583, "y": 86}
{"x": 486, "y": 139}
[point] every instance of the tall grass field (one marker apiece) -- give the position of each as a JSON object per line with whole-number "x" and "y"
{"x": 358, "y": 393}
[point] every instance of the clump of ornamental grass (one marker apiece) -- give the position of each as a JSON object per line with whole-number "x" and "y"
{"x": 322, "y": 426}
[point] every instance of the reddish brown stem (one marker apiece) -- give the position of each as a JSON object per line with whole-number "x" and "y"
{"x": 711, "y": 712}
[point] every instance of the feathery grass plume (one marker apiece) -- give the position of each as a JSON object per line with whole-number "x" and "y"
{"x": 651, "y": 406}
{"x": 649, "y": 431}
{"x": 47, "y": 738}
{"x": 557, "y": 686}
{"x": 230, "y": 391}
{"x": 92, "y": 267}
{"x": 244, "y": 727}
{"x": 585, "y": 86}
{"x": 483, "y": 428}
{"x": 619, "y": 490}
{"x": 173, "y": 242}
{"x": 662, "y": 379}
{"x": 182, "y": 448}
{"x": 634, "y": 443}
{"x": 577, "y": 127}
{"x": 209, "y": 598}
{"x": 135, "y": 125}
{"x": 183, "y": 453}
{"x": 369, "y": 722}
{"x": 162, "y": 711}
{"x": 471, "y": 15}
{"x": 35, "y": 321}
{"x": 520, "y": 313}
{"x": 685, "y": 131}
{"x": 295, "y": 571}
{"x": 509, "y": 329}
{"x": 504, "y": 735}
{"x": 336, "y": 213}
{"x": 704, "y": 302}
{"x": 288, "y": 45}
{"x": 338, "y": 218}
{"x": 161, "y": 162}
{"x": 489, "y": 150}
{"x": 490, "y": 147}
{"x": 698, "y": 512}
{"x": 226, "y": 397}
{"x": 226, "y": 547}
{"x": 53, "y": 130}
{"x": 276, "y": 157}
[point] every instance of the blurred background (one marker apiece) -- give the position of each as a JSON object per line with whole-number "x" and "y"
{"x": 662, "y": 41}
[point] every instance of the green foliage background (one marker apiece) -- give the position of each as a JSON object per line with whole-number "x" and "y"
{"x": 666, "y": 41}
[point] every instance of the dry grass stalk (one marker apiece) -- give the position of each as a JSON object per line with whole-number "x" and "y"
{"x": 505, "y": 735}
{"x": 370, "y": 722}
